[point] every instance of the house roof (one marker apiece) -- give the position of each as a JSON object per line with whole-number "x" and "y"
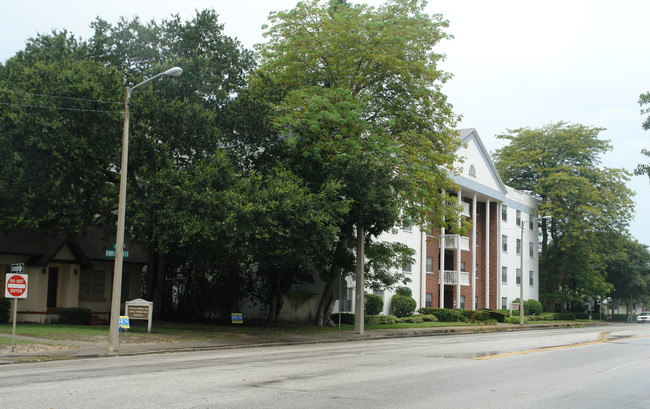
{"x": 42, "y": 246}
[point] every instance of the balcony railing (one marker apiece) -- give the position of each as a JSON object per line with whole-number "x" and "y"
{"x": 450, "y": 242}
{"x": 451, "y": 277}
{"x": 465, "y": 209}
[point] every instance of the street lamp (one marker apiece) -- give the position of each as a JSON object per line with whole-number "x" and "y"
{"x": 521, "y": 267}
{"x": 113, "y": 340}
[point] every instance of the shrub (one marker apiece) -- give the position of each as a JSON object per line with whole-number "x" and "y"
{"x": 496, "y": 315}
{"x": 379, "y": 319}
{"x": 75, "y": 316}
{"x": 567, "y": 316}
{"x": 532, "y": 307}
{"x": 346, "y": 318}
{"x": 405, "y": 291}
{"x": 515, "y": 320}
{"x": 373, "y": 304}
{"x": 428, "y": 318}
{"x": 402, "y": 306}
{"x": 415, "y": 319}
{"x": 5, "y": 306}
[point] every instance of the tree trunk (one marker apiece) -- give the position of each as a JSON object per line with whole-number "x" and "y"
{"x": 334, "y": 274}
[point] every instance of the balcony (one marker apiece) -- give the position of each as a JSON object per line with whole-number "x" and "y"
{"x": 451, "y": 277}
{"x": 450, "y": 242}
{"x": 464, "y": 208}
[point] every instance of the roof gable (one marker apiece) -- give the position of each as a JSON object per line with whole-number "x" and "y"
{"x": 478, "y": 171}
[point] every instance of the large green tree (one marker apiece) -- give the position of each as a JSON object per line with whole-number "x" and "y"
{"x": 558, "y": 164}
{"x": 360, "y": 103}
{"x": 629, "y": 272}
{"x": 60, "y": 121}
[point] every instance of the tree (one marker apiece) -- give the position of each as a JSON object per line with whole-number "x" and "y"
{"x": 60, "y": 122}
{"x": 559, "y": 165}
{"x": 644, "y": 168}
{"x": 175, "y": 124}
{"x": 629, "y": 272}
{"x": 361, "y": 105}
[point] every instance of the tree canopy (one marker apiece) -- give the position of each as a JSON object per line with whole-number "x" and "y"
{"x": 559, "y": 166}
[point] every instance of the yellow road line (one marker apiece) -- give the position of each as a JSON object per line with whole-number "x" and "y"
{"x": 602, "y": 338}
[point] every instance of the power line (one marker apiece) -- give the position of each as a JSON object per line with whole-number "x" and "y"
{"x": 58, "y": 108}
{"x": 59, "y": 97}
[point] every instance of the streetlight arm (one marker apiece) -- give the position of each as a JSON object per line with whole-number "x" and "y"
{"x": 174, "y": 72}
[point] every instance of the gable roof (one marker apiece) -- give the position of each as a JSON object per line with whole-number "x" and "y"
{"x": 492, "y": 185}
{"x": 42, "y": 246}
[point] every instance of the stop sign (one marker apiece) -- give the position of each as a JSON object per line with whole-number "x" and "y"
{"x": 16, "y": 286}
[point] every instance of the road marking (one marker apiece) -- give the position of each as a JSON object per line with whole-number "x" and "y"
{"x": 603, "y": 337}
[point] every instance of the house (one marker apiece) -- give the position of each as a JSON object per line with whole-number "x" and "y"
{"x": 65, "y": 272}
{"x": 483, "y": 268}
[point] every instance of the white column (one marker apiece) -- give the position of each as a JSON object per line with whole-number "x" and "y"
{"x": 441, "y": 279}
{"x": 458, "y": 252}
{"x": 498, "y": 255}
{"x": 487, "y": 253}
{"x": 472, "y": 278}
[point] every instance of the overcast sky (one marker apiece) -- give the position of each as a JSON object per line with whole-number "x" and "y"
{"x": 515, "y": 63}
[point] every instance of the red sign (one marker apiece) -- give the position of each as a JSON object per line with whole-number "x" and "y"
{"x": 16, "y": 286}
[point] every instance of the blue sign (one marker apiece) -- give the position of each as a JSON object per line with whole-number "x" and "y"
{"x": 124, "y": 323}
{"x": 237, "y": 318}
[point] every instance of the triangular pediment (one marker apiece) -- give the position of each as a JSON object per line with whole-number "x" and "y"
{"x": 478, "y": 172}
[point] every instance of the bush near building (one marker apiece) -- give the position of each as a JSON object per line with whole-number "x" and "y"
{"x": 373, "y": 304}
{"x": 5, "y": 306}
{"x": 75, "y": 316}
{"x": 402, "y": 306}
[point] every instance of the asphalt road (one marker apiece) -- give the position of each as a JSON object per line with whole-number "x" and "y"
{"x": 600, "y": 367}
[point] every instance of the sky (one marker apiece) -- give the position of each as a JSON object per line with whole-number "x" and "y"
{"x": 514, "y": 63}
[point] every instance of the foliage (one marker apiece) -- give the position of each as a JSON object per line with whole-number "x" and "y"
{"x": 532, "y": 307}
{"x": 515, "y": 320}
{"x": 374, "y": 304}
{"x": 565, "y": 316}
{"x": 75, "y": 316}
{"x": 499, "y": 316}
{"x": 378, "y": 319}
{"x": 59, "y": 126}
{"x": 5, "y": 307}
{"x": 415, "y": 319}
{"x": 405, "y": 291}
{"x": 589, "y": 205}
{"x": 629, "y": 271}
{"x": 402, "y": 306}
{"x": 376, "y": 122}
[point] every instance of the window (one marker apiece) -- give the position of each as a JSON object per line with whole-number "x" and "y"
{"x": 504, "y": 213}
{"x": 531, "y": 249}
{"x": 504, "y": 303}
{"x": 504, "y": 243}
{"x": 462, "y": 301}
{"x": 379, "y": 293}
{"x": 92, "y": 285}
{"x": 518, "y": 246}
{"x": 530, "y": 222}
{"x": 518, "y": 218}
{"x": 428, "y": 302}
{"x": 406, "y": 268}
{"x": 429, "y": 264}
{"x": 518, "y": 277}
{"x": 531, "y": 278}
{"x": 476, "y": 300}
{"x": 504, "y": 274}
{"x": 472, "y": 171}
{"x": 462, "y": 266}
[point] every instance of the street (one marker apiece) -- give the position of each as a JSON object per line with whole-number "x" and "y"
{"x": 595, "y": 367}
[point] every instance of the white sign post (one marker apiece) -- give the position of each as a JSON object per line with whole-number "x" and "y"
{"x": 16, "y": 287}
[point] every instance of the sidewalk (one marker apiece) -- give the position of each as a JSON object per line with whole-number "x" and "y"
{"x": 47, "y": 349}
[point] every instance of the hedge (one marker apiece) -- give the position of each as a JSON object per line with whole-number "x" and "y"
{"x": 5, "y": 306}
{"x": 402, "y": 306}
{"x": 373, "y": 304}
{"x": 75, "y": 316}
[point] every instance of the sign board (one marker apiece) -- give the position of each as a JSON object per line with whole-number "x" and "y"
{"x": 18, "y": 268}
{"x": 124, "y": 323}
{"x": 16, "y": 286}
{"x": 111, "y": 253}
{"x": 140, "y": 309}
{"x": 237, "y": 318}
{"x": 514, "y": 306}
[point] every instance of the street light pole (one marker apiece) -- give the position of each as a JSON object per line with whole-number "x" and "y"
{"x": 113, "y": 339}
{"x": 521, "y": 266}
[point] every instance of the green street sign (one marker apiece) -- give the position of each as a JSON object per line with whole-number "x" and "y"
{"x": 111, "y": 253}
